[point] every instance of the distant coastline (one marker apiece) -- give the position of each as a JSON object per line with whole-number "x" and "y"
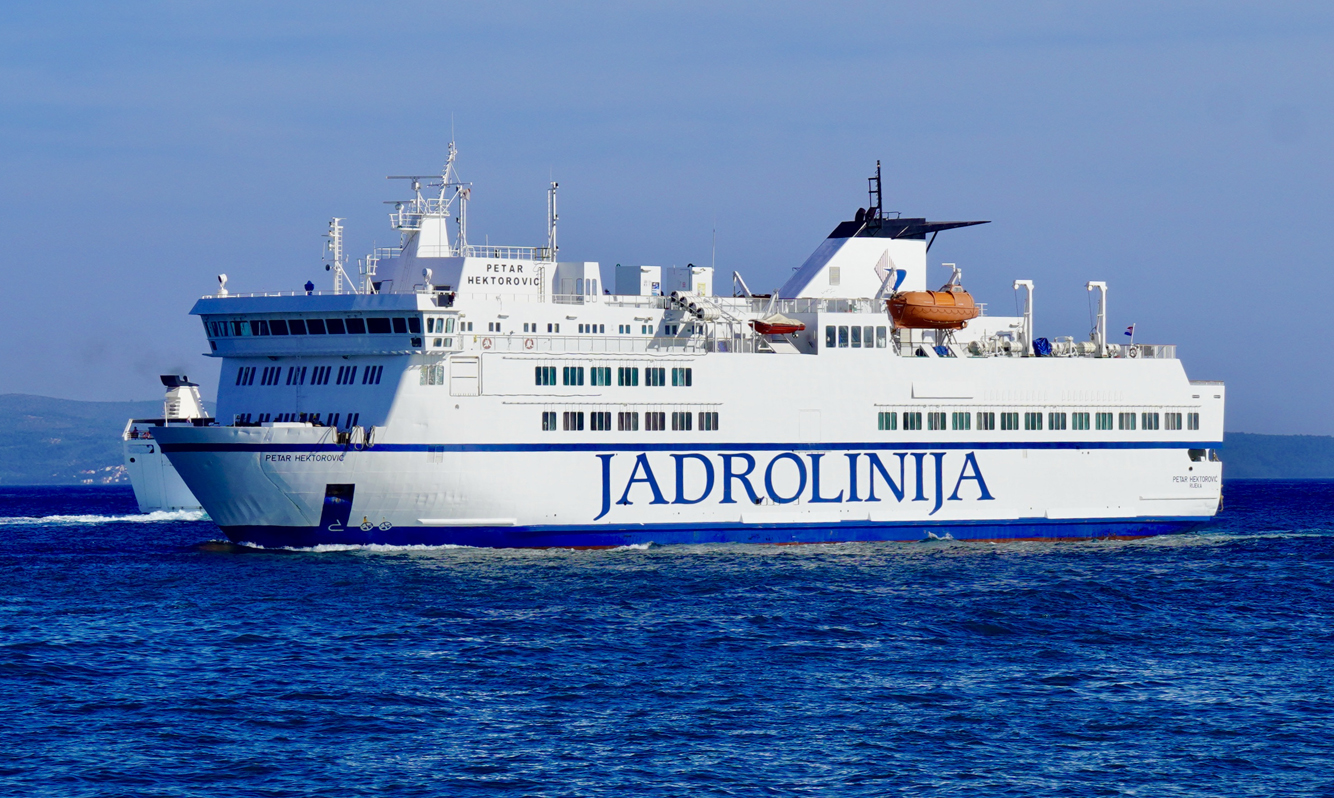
{"x": 51, "y": 441}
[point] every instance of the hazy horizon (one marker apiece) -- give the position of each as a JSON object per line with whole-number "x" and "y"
{"x": 1175, "y": 153}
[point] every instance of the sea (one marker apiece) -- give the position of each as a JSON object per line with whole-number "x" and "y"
{"x": 142, "y": 655}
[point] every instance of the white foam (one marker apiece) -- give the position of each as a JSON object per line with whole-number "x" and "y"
{"x": 157, "y": 516}
{"x": 324, "y": 548}
{"x": 635, "y": 547}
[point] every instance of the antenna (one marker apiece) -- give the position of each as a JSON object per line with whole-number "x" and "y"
{"x": 873, "y": 189}
{"x": 552, "y": 217}
{"x": 334, "y": 257}
{"x": 713, "y": 253}
{"x": 222, "y": 285}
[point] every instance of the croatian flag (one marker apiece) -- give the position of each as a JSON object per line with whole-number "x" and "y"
{"x": 1131, "y": 331}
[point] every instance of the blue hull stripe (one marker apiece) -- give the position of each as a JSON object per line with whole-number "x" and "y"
{"x": 695, "y": 446}
{"x": 593, "y": 536}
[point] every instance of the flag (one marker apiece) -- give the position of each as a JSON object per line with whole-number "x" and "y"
{"x": 1131, "y": 331}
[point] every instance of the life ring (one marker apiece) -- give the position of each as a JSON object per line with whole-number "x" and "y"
{"x": 486, "y": 343}
{"x": 1132, "y": 352}
{"x": 528, "y": 343}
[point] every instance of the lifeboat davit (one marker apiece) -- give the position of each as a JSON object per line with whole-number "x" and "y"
{"x": 947, "y": 309}
{"x": 777, "y": 324}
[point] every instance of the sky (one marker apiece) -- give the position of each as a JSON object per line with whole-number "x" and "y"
{"x": 1180, "y": 152}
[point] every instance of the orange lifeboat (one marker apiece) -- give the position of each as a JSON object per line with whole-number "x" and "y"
{"x": 947, "y": 309}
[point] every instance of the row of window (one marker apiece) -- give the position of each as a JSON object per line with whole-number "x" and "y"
{"x": 1034, "y": 420}
{"x": 447, "y": 324}
{"x": 296, "y": 375}
{"x": 856, "y": 337}
{"x": 628, "y": 420}
{"x": 626, "y": 376}
{"x": 325, "y": 420}
{"x": 351, "y": 325}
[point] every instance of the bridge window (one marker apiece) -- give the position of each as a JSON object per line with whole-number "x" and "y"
{"x": 986, "y": 420}
{"x": 315, "y": 326}
{"x": 400, "y": 326}
{"x": 574, "y": 421}
{"x": 278, "y": 327}
{"x": 379, "y": 326}
{"x": 1079, "y": 421}
{"x": 259, "y": 327}
{"x": 887, "y": 420}
{"x": 297, "y": 326}
{"x": 708, "y": 420}
{"x": 356, "y": 326}
{"x": 335, "y": 326}
{"x": 1009, "y": 421}
{"x": 627, "y": 421}
{"x": 1104, "y": 420}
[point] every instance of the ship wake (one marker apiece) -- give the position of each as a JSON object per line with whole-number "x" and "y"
{"x": 155, "y": 517}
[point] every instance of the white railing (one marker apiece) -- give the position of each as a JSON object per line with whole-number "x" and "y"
{"x": 589, "y": 343}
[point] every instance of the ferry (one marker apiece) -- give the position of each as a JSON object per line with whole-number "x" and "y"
{"x": 452, "y": 393}
{"x": 156, "y": 484}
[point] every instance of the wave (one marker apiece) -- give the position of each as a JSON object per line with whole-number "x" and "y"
{"x": 324, "y": 548}
{"x": 157, "y": 516}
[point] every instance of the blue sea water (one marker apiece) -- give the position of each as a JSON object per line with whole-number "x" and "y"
{"x": 139, "y": 655}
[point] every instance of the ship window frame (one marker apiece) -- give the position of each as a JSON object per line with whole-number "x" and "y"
{"x": 708, "y": 420}
{"x": 1192, "y": 421}
{"x": 912, "y": 420}
{"x": 1056, "y": 420}
{"x": 1009, "y": 421}
{"x": 627, "y": 421}
{"x": 935, "y": 420}
{"x": 887, "y": 420}
{"x": 961, "y": 420}
{"x": 353, "y": 323}
{"x": 655, "y": 421}
{"x": 855, "y": 340}
{"x": 335, "y": 326}
{"x": 830, "y": 336}
{"x": 573, "y": 421}
{"x": 627, "y": 376}
{"x": 599, "y": 420}
{"x": 986, "y": 420}
{"x": 1125, "y": 420}
{"x": 843, "y": 336}
{"x": 682, "y": 421}
{"x": 1079, "y": 421}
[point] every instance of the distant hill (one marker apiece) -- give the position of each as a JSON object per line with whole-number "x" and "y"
{"x": 1250, "y": 456}
{"x": 63, "y": 442}
{"x": 49, "y": 441}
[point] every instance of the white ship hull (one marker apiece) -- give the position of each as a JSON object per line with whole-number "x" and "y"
{"x": 810, "y": 466}
{"x": 157, "y": 485}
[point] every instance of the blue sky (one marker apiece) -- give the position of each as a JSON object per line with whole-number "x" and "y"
{"x": 1181, "y": 154}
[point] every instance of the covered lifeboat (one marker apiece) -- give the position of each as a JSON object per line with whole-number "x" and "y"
{"x": 950, "y": 308}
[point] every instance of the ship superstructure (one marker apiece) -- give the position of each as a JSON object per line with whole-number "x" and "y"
{"x": 156, "y": 484}
{"x": 453, "y": 393}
